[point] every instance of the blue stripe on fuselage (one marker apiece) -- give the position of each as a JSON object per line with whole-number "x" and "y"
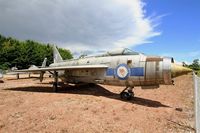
{"x": 110, "y": 72}
{"x": 137, "y": 71}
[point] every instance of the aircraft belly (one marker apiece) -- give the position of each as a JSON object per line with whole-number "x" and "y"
{"x": 84, "y": 76}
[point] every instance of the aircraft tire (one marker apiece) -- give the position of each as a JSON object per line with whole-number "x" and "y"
{"x": 55, "y": 87}
{"x": 126, "y": 95}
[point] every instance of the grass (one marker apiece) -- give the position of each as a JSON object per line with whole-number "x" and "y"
{"x": 198, "y": 73}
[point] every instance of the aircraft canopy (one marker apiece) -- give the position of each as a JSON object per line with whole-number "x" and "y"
{"x": 122, "y": 51}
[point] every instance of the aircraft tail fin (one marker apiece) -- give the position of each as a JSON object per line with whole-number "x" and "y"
{"x": 44, "y": 63}
{"x": 56, "y": 55}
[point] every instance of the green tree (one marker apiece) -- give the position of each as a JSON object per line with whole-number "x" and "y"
{"x": 195, "y": 65}
{"x": 66, "y": 54}
{"x": 22, "y": 54}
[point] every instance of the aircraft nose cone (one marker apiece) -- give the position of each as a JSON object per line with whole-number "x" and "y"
{"x": 178, "y": 70}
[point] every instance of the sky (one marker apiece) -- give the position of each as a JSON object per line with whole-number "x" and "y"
{"x": 166, "y": 28}
{"x": 179, "y": 26}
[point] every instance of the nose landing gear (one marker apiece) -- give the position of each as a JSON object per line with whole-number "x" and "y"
{"x": 127, "y": 93}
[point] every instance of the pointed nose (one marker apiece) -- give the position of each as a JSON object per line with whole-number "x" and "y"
{"x": 178, "y": 70}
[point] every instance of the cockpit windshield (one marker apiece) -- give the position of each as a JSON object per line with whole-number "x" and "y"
{"x": 129, "y": 52}
{"x": 120, "y": 51}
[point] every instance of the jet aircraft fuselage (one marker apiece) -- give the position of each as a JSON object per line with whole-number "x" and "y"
{"x": 124, "y": 68}
{"x": 121, "y": 67}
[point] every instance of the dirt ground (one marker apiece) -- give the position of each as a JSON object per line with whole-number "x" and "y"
{"x": 26, "y": 105}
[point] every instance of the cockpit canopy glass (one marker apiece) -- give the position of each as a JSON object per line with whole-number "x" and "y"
{"x": 129, "y": 52}
{"x": 122, "y": 51}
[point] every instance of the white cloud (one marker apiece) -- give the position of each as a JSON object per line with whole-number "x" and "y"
{"x": 78, "y": 24}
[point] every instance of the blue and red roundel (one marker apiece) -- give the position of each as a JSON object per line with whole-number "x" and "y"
{"x": 122, "y": 71}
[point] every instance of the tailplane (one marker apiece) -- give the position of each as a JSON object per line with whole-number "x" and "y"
{"x": 56, "y": 55}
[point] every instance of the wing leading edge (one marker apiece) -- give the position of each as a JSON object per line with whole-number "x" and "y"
{"x": 63, "y": 68}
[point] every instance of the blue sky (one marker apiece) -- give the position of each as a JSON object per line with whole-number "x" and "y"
{"x": 158, "y": 27}
{"x": 179, "y": 26}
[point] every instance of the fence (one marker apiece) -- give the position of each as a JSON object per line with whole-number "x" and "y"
{"x": 197, "y": 102}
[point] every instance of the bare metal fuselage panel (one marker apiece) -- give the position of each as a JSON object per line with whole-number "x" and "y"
{"x": 121, "y": 70}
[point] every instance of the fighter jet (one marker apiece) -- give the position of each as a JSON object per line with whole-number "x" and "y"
{"x": 122, "y": 67}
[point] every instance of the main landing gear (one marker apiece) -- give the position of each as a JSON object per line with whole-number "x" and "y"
{"x": 55, "y": 83}
{"x": 127, "y": 93}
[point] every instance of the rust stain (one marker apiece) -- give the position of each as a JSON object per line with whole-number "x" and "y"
{"x": 154, "y": 59}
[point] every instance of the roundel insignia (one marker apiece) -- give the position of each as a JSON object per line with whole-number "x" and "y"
{"x": 122, "y": 71}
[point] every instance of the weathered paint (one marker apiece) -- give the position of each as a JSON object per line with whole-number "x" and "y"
{"x": 117, "y": 68}
{"x": 140, "y": 71}
{"x": 110, "y": 72}
{"x": 137, "y": 71}
{"x": 122, "y": 71}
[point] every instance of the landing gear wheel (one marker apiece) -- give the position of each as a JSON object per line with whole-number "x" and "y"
{"x": 55, "y": 83}
{"x": 55, "y": 87}
{"x": 131, "y": 93}
{"x": 126, "y": 95}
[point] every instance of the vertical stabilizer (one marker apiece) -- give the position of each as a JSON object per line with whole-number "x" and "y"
{"x": 56, "y": 55}
{"x": 44, "y": 63}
